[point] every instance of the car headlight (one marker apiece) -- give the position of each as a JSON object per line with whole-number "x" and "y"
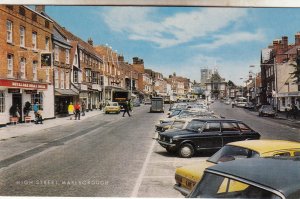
{"x": 171, "y": 140}
{"x": 158, "y": 136}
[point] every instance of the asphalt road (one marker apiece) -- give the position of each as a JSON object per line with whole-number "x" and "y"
{"x": 101, "y": 156}
{"x": 108, "y": 156}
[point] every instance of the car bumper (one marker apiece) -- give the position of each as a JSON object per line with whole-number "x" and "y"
{"x": 165, "y": 144}
{"x": 182, "y": 190}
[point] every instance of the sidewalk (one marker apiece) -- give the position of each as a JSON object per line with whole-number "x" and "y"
{"x": 11, "y": 131}
{"x": 282, "y": 115}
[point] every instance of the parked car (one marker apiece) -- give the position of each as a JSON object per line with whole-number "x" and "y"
{"x": 136, "y": 103}
{"x": 256, "y": 178}
{"x": 187, "y": 176}
{"x": 112, "y": 107}
{"x": 227, "y": 102}
{"x": 204, "y": 134}
{"x": 249, "y": 105}
{"x": 147, "y": 101}
{"x": 266, "y": 110}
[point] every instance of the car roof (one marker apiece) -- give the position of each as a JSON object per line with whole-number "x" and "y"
{"x": 264, "y": 146}
{"x": 217, "y": 120}
{"x": 281, "y": 174}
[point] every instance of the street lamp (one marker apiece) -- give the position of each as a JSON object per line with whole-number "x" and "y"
{"x": 241, "y": 78}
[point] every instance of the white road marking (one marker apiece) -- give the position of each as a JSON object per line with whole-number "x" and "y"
{"x": 142, "y": 173}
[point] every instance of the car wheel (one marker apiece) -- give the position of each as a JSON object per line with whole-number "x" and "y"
{"x": 186, "y": 150}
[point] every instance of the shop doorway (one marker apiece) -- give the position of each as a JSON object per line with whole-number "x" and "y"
{"x": 17, "y": 102}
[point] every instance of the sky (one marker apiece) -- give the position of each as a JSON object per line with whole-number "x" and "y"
{"x": 183, "y": 39}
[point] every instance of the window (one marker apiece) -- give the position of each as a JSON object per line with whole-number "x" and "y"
{"x": 67, "y": 56}
{"x": 34, "y": 70}
{"x": 2, "y": 102}
{"x": 62, "y": 79}
{"x": 22, "y": 36}
{"x": 67, "y": 80}
{"x": 75, "y": 60}
{"x": 34, "y": 17}
{"x": 283, "y": 101}
{"x": 88, "y": 75}
{"x": 10, "y": 64}
{"x": 22, "y": 67}
{"x": 22, "y": 11}
{"x": 9, "y": 37}
{"x": 195, "y": 125}
{"x": 101, "y": 80}
{"x": 56, "y": 53}
{"x": 80, "y": 55}
{"x": 95, "y": 78}
{"x": 212, "y": 127}
{"x": 56, "y": 78}
{"x": 47, "y": 41}
{"x": 34, "y": 40}
{"x": 75, "y": 76}
{"x": 228, "y": 126}
{"x": 37, "y": 98}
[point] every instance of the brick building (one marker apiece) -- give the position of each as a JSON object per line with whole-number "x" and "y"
{"x": 26, "y": 72}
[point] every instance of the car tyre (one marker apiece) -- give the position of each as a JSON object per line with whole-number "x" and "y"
{"x": 186, "y": 150}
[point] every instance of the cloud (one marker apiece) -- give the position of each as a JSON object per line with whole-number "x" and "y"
{"x": 145, "y": 23}
{"x": 233, "y": 38}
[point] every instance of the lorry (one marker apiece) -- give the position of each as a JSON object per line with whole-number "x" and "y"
{"x": 157, "y": 105}
{"x": 120, "y": 96}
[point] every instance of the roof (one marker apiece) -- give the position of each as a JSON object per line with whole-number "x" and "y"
{"x": 219, "y": 120}
{"x": 293, "y": 51}
{"x": 264, "y": 146}
{"x": 276, "y": 173}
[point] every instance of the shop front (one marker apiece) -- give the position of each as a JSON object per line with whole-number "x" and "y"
{"x": 63, "y": 97}
{"x": 287, "y": 99}
{"x": 15, "y": 94}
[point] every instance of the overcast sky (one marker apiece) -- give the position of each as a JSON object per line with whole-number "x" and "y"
{"x": 183, "y": 39}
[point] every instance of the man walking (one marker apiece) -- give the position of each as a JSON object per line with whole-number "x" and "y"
{"x": 126, "y": 109}
{"x": 71, "y": 110}
{"x": 294, "y": 111}
{"x": 77, "y": 111}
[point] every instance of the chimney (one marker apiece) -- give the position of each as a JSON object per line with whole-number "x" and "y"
{"x": 40, "y": 8}
{"x": 121, "y": 58}
{"x": 276, "y": 44}
{"x": 297, "y": 39}
{"x": 285, "y": 43}
{"x": 90, "y": 41}
{"x": 135, "y": 60}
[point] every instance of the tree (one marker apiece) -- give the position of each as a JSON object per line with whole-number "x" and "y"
{"x": 296, "y": 73}
{"x": 230, "y": 84}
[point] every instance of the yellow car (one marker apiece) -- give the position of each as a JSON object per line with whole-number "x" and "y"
{"x": 112, "y": 107}
{"x": 187, "y": 176}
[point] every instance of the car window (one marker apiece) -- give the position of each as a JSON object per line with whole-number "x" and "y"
{"x": 195, "y": 125}
{"x": 178, "y": 124}
{"x": 282, "y": 154}
{"x": 297, "y": 153}
{"x": 244, "y": 127}
{"x": 230, "y": 126}
{"x": 115, "y": 104}
{"x": 212, "y": 127}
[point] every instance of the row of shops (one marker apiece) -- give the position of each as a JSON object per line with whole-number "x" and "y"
{"x": 52, "y": 102}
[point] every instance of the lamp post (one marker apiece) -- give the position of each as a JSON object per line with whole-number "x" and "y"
{"x": 241, "y": 78}
{"x": 252, "y": 66}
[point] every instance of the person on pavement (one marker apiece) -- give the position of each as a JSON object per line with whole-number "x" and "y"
{"x": 71, "y": 110}
{"x": 126, "y": 109}
{"x": 294, "y": 111}
{"x": 83, "y": 107}
{"x": 77, "y": 111}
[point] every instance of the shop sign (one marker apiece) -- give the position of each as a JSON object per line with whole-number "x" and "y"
{"x": 20, "y": 84}
{"x": 14, "y": 90}
{"x": 31, "y": 91}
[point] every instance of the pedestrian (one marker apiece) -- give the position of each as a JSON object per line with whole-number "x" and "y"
{"x": 130, "y": 105}
{"x": 126, "y": 109}
{"x": 71, "y": 110}
{"x": 100, "y": 106}
{"x": 294, "y": 111}
{"x": 18, "y": 112}
{"x": 38, "y": 117}
{"x": 83, "y": 107}
{"x": 77, "y": 111}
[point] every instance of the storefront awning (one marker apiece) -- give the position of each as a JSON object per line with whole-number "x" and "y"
{"x": 65, "y": 92}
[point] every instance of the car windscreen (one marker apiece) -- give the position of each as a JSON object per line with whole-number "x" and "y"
{"x": 195, "y": 125}
{"x": 269, "y": 108}
{"x": 176, "y": 112}
{"x": 178, "y": 124}
{"x": 217, "y": 186}
{"x": 229, "y": 152}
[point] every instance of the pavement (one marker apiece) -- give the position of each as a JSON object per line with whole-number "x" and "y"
{"x": 11, "y": 131}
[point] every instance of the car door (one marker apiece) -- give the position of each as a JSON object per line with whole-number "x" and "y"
{"x": 230, "y": 132}
{"x": 247, "y": 133}
{"x": 210, "y": 136}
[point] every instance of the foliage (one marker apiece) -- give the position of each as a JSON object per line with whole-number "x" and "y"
{"x": 230, "y": 84}
{"x": 27, "y": 108}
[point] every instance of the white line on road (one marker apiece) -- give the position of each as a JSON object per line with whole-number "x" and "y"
{"x": 142, "y": 173}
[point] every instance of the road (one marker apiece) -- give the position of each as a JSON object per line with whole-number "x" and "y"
{"x": 107, "y": 156}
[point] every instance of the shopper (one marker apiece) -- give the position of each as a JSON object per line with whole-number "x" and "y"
{"x": 71, "y": 110}
{"x": 126, "y": 109}
{"x": 83, "y": 107}
{"x": 77, "y": 111}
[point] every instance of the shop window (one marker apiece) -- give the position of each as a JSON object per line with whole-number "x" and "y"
{"x": 2, "y": 101}
{"x": 9, "y": 37}
{"x": 22, "y": 36}
{"x": 37, "y": 98}
{"x": 10, "y": 64}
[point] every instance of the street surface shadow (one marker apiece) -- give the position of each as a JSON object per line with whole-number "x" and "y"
{"x": 175, "y": 154}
